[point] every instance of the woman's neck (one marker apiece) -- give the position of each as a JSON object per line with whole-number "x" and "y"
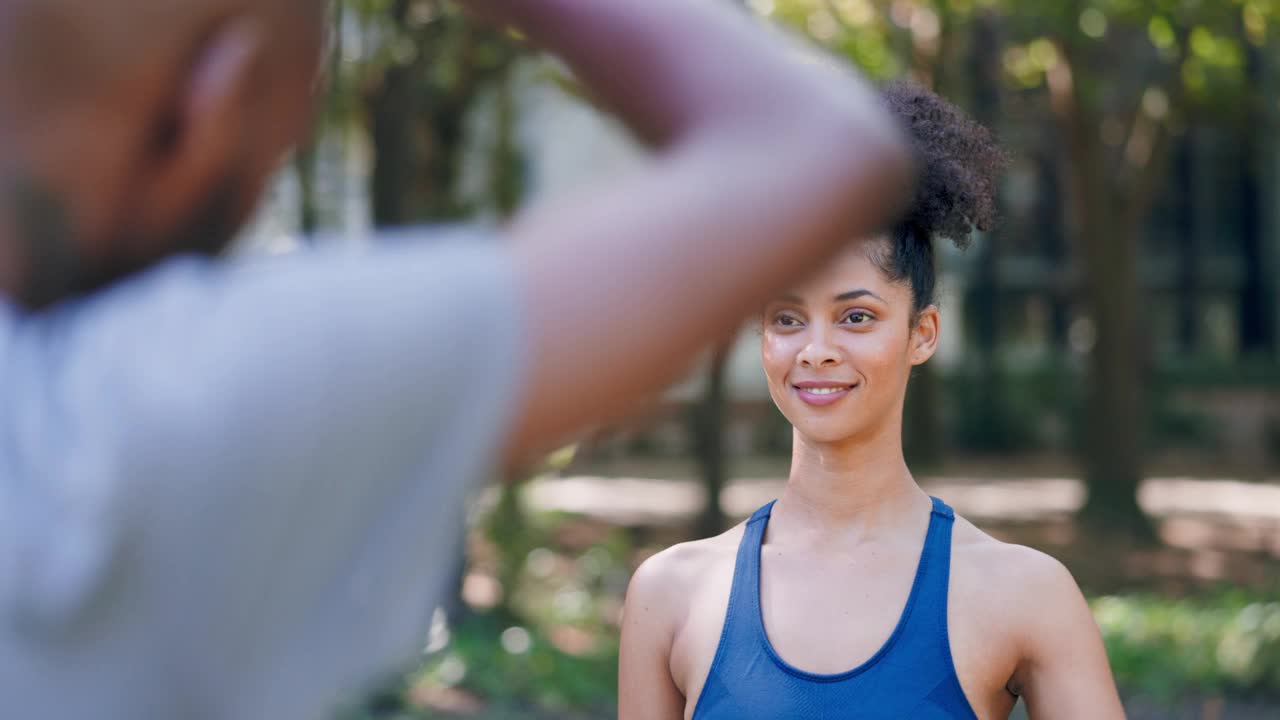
{"x": 848, "y": 492}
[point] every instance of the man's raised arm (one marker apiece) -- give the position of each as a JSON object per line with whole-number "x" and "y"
{"x": 766, "y": 164}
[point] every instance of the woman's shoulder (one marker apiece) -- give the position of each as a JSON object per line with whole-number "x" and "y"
{"x": 994, "y": 560}
{"x": 1013, "y": 581}
{"x": 685, "y": 564}
{"x": 666, "y": 582}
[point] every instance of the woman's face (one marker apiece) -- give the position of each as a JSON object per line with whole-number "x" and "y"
{"x": 838, "y": 351}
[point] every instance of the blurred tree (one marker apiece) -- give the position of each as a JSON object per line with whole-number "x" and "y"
{"x": 985, "y": 101}
{"x": 334, "y": 116}
{"x": 1256, "y": 127}
{"x": 408, "y": 76}
{"x": 1122, "y": 78}
{"x": 708, "y": 431}
{"x": 431, "y": 65}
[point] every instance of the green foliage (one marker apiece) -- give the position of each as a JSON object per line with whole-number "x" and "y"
{"x": 1189, "y": 54}
{"x": 1041, "y": 407}
{"x": 1020, "y": 417}
{"x": 527, "y": 671}
{"x": 1229, "y": 642}
{"x": 549, "y": 649}
{"x": 855, "y": 29}
{"x": 1250, "y": 372}
{"x": 408, "y": 75}
{"x": 552, "y": 646}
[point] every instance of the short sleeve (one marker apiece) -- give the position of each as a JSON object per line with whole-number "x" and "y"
{"x": 249, "y": 480}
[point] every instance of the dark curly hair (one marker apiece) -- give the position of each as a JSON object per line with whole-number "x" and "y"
{"x": 958, "y": 163}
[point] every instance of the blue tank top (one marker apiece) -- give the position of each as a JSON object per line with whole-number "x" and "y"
{"x": 911, "y": 678}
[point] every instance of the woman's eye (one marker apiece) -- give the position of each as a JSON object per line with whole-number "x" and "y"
{"x": 857, "y": 317}
{"x": 786, "y": 321}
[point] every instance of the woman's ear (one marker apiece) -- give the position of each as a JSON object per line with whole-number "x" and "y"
{"x": 924, "y": 335}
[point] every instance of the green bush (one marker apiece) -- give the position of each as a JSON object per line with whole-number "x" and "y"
{"x": 528, "y": 673}
{"x": 1229, "y": 642}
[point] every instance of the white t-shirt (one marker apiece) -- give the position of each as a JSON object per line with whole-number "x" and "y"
{"x": 232, "y": 490}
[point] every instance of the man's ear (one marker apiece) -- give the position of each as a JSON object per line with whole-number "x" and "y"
{"x": 203, "y": 136}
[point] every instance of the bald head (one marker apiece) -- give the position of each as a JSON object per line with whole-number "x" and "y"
{"x": 77, "y": 50}
{"x": 145, "y": 127}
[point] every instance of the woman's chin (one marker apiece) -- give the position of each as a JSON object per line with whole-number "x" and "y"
{"x": 825, "y": 433}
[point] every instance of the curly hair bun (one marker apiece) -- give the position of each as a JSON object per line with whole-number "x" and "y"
{"x": 959, "y": 164}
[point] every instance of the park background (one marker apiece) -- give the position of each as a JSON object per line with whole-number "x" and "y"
{"x": 1109, "y": 384}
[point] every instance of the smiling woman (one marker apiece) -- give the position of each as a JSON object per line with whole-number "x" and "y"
{"x": 855, "y": 594}
{"x": 856, "y": 330}
{"x": 838, "y": 354}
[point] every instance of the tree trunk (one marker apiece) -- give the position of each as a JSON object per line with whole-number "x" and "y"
{"x": 923, "y": 441}
{"x": 1186, "y": 292}
{"x": 394, "y": 109}
{"x": 1269, "y": 155}
{"x": 394, "y": 112}
{"x": 1052, "y": 223}
{"x": 708, "y": 437}
{"x": 506, "y": 161}
{"x": 984, "y": 301}
{"x": 1114, "y": 417}
{"x": 1108, "y": 231}
{"x": 304, "y": 164}
{"x": 1257, "y": 308}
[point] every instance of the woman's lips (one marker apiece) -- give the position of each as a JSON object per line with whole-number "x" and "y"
{"x": 822, "y": 393}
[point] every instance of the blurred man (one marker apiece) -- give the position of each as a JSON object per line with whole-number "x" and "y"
{"x": 226, "y": 491}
